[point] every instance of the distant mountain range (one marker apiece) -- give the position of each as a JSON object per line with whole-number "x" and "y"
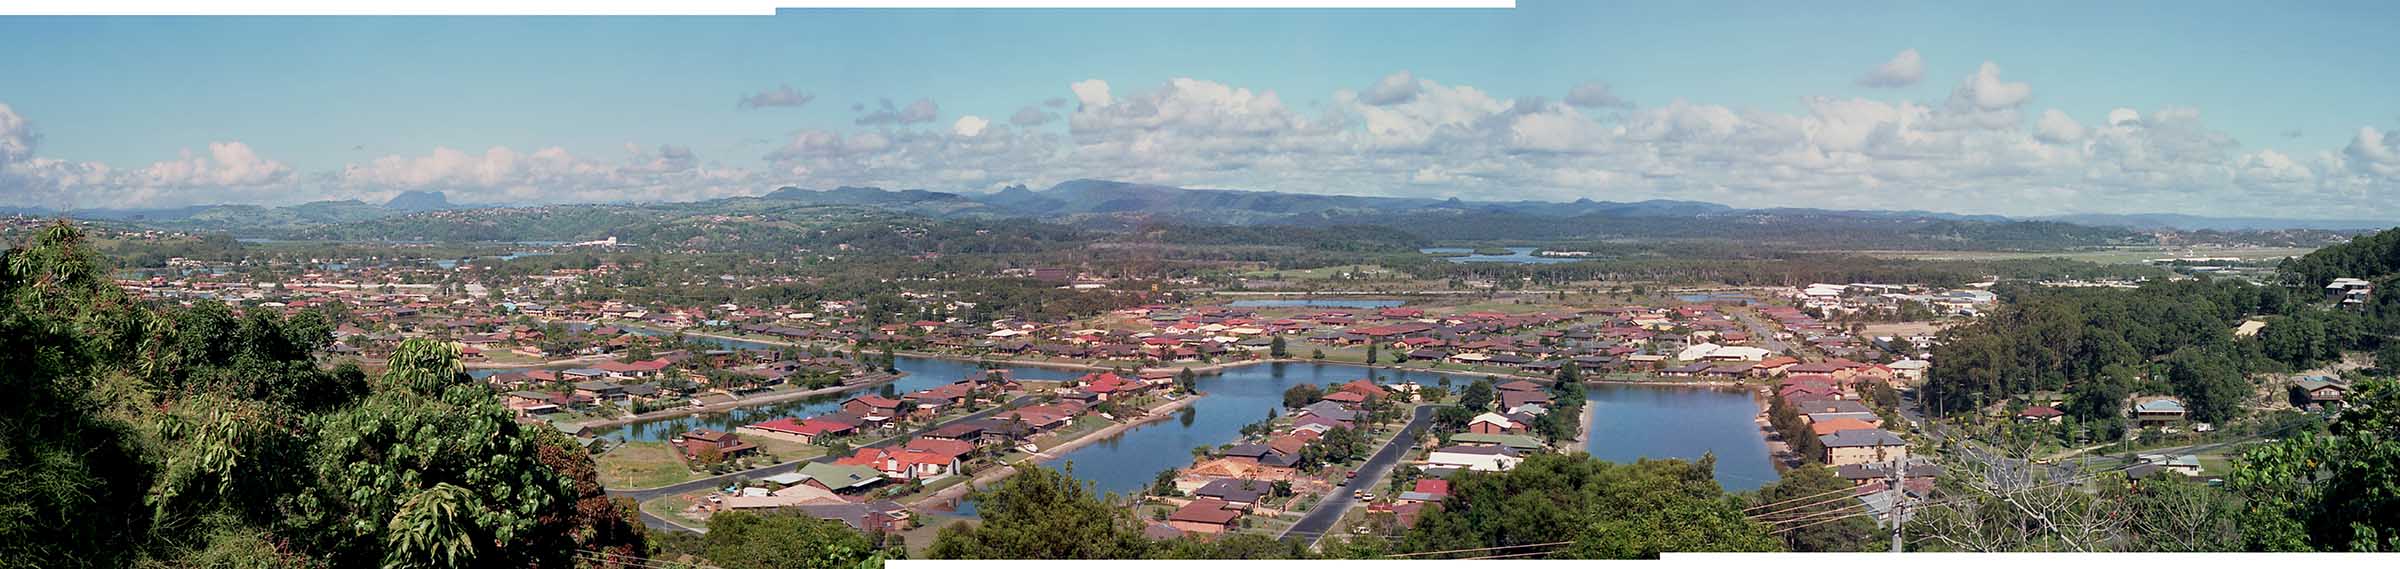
{"x": 2157, "y": 221}
{"x": 1104, "y": 203}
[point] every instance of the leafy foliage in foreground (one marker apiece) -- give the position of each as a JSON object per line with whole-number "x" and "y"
{"x": 189, "y": 436}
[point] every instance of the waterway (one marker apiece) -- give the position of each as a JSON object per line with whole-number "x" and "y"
{"x": 1518, "y": 255}
{"x": 1632, "y": 422}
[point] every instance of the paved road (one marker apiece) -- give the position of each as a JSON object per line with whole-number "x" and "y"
{"x": 720, "y": 481}
{"x": 1321, "y": 518}
{"x": 1763, "y": 331}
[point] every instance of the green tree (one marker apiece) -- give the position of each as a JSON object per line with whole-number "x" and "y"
{"x": 1301, "y": 395}
{"x": 1799, "y": 494}
{"x": 743, "y": 540}
{"x": 1276, "y": 348}
{"x": 2332, "y": 492}
{"x": 1042, "y": 514}
{"x": 1606, "y": 511}
{"x": 1478, "y": 395}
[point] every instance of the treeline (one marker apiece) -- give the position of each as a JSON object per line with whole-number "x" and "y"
{"x": 2371, "y": 256}
{"x": 174, "y": 436}
{"x": 2102, "y": 344}
{"x": 1802, "y": 229}
{"x": 1344, "y": 238}
{"x": 1772, "y": 269}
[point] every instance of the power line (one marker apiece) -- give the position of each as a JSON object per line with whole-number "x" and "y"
{"x": 1746, "y": 511}
{"x": 1551, "y": 544}
{"x": 1514, "y": 555}
{"x": 1824, "y": 521}
{"x": 1853, "y": 490}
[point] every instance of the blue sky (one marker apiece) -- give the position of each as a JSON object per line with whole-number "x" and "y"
{"x": 312, "y": 102}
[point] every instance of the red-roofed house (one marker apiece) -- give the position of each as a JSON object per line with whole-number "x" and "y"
{"x": 1205, "y": 515}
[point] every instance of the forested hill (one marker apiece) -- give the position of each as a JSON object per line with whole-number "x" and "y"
{"x": 2375, "y": 257}
{"x": 2172, "y": 338}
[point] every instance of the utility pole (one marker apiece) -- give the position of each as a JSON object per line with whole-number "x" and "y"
{"x": 1899, "y": 466}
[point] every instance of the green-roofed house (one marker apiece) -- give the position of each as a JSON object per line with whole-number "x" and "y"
{"x": 838, "y": 477}
{"x": 1518, "y": 442}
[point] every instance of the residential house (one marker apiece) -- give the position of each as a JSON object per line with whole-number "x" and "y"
{"x": 2158, "y": 411}
{"x": 1237, "y": 494}
{"x": 1205, "y": 515}
{"x": 723, "y": 444}
{"x": 1859, "y": 446}
{"x": 1477, "y": 458}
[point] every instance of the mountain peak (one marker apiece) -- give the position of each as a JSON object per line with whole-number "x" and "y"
{"x": 415, "y": 200}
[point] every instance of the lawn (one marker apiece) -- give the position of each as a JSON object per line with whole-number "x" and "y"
{"x": 786, "y": 450}
{"x": 1319, "y": 273}
{"x": 642, "y": 465}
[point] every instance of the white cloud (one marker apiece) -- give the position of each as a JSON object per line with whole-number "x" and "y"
{"x": 1986, "y": 91}
{"x": 1032, "y": 116}
{"x": 16, "y": 136}
{"x": 1091, "y": 92}
{"x": 2123, "y": 116}
{"x": 921, "y": 111}
{"x": 1595, "y": 94}
{"x": 783, "y": 96}
{"x": 1391, "y": 90}
{"x": 1904, "y": 69}
{"x": 228, "y": 164}
{"x": 2057, "y": 128}
{"x": 550, "y": 175}
{"x": 2371, "y": 152}
{"x": 969, "y": 125}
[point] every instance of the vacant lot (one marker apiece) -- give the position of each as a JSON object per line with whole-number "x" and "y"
{"x": 642, "y": 465}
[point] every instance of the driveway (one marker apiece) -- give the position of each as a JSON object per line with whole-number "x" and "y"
{"x": 1321, "y": 518}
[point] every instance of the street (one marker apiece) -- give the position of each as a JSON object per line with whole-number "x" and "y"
{"x": 1321, "y": 518}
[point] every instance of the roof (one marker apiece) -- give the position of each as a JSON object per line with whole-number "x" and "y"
{"x": 1839, "y": 424}
{"x": 1206, "y": 511}
{"x": 1490, "y": 450}
{"x": 1232, "y": 490}
{"x": 840, "y": 476}
{"x": 1862, "y": 438}
{"x": 2159, "y": 406}
{"x": 1511, "y": 441}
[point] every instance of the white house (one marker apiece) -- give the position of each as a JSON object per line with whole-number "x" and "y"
{"x": 1484, "y": 459}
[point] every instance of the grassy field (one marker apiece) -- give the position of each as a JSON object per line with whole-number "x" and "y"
{"x": 1319, "y": 273}
{"x": 642, "y": 465}
{"x": 2130, "y": 255}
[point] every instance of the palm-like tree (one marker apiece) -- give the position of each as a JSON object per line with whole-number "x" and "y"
{"x": 423, "y": 365}
{"x": 434, "y": 529}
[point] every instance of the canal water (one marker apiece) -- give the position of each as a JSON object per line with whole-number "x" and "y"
{"x": 1518, "y": 255}
{"x": 1632, "y": 422}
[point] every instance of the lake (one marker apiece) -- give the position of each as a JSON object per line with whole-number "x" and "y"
{"x": 1631, "y": 422}
{"x": 1317, "y": 303}
{"x": 1518, "y": 255}
{"x": 1634, "y": 422}
{"x": 1736, "y": 297}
